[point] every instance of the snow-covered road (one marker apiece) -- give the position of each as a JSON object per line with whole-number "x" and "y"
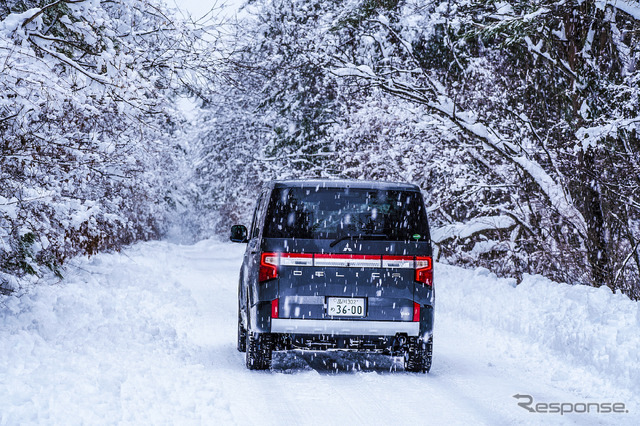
{"x": 148, "y": 337}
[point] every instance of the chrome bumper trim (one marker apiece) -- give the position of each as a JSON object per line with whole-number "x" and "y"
{"x": 344, "y": 327}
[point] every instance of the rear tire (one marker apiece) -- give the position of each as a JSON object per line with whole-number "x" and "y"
{"x": 418, "y": 356}
{"x": 259, "y": 351}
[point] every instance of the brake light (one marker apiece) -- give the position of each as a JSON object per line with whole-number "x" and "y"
{"x": 268, "y": 267}
{"x": 424, "y": 270}
{"x": 416, "y": 312}
{"x": 274, "y": 308}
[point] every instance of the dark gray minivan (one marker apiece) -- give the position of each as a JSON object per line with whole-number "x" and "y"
{"x": 337, "y": 265}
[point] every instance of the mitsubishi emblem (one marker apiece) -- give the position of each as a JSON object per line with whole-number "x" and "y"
{"x": 347, "y": 248}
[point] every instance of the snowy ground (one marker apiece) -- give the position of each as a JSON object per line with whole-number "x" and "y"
{"x": 148, "y": 337}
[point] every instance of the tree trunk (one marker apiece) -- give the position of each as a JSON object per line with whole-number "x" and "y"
{"x": 596, "y": 238}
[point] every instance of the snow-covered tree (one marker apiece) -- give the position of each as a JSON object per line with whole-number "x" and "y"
{"x": 517, "y": 118}
{"x": 87, "y": 126}
{"x": 529, "y": 86}
{"x": 269, "y": 117}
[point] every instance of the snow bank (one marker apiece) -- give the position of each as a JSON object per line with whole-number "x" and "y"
{"x": 102, "y": 344}
{"x": 589, "y": 326}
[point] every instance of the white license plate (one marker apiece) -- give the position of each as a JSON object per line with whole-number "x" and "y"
{"x": 345, "y": 306}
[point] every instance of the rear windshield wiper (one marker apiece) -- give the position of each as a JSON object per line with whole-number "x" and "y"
{"x": 358, "y": 237}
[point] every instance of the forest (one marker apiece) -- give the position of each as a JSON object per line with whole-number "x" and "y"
{"x": 518, "y": 119}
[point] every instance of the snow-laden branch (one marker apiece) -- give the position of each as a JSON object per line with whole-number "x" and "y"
{"x": 591, "y": 136}
{"x": 96, "y": 77}
{"x": 536, "y": 48}
{"x": 553, "y": 190}
{"x": 445, "y": 107}
{"x": 625, "y": 262}
{"x": 628, "y": 6}
{"x": 38, "y": 12}
{"x": 473, "y": 227}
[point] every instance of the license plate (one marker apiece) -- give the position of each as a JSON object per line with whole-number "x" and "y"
{"x": 345, "y": 306}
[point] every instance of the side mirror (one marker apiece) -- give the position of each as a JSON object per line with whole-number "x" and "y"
{"x": 238, "y": 234}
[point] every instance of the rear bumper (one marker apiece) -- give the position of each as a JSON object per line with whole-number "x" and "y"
{"x": 344, "y": 327}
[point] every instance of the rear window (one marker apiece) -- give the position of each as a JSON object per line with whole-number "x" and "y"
{"x": 330, "y": 213}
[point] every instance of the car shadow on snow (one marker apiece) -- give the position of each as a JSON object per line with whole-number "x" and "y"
{"x": 334, "y": 362}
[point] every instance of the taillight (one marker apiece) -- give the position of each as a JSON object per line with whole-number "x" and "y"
{"x": 424, "y": 270}
{"x": 268, "y": 267}
{"x": 274, "y": 309}
{"x": 416, "y": 312}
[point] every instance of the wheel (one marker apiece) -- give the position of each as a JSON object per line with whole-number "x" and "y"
{"x": 242, "y": 335}
{"x": 418, "y": 356}
{"x": 259, "y": 351}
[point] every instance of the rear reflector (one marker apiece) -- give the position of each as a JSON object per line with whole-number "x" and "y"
{"x": 268, "y": 267}
{"x": 416, "y": 312}
{"x": 274, "y": 309}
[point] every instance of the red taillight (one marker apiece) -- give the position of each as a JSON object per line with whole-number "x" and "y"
{"x": 274, "y": 308}
{"x": 416, "y": 312}
{"x": 268, "y": 267}
{"x": 424, "y": 270}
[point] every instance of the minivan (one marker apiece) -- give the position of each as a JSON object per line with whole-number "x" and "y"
{"x": 337, "y": 265}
